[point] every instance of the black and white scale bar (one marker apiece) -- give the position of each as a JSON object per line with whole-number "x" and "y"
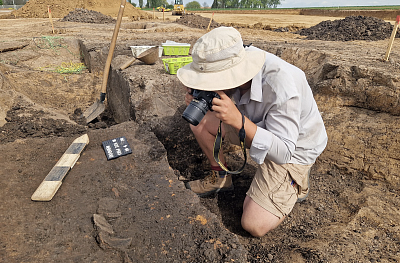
{"x": 49, "y": 186}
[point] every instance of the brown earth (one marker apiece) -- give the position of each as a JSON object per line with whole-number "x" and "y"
{"x": 351, "y": 215}
{"x": 59, "y": 9}
{"x": 87, "y": 16}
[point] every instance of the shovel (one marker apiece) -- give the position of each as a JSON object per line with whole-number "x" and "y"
{"x": 149, "y": 57}
{"x": 98, "y": 107}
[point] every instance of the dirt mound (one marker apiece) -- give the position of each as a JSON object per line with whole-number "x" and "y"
{"x": 196, "y": 21}
{"x": 59, "y": 8}
{"x": 87, "y": 16}
{"x": 350, "y": 28}
{"x": 24, "y": 122}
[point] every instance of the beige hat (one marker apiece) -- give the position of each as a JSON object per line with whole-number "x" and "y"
{"x": 221, "y": 62}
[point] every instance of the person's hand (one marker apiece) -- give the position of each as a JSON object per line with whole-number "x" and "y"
{"x": 226, "y": 110}
{"x": 188, "y": 96}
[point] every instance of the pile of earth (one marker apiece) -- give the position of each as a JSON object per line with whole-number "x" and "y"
{"x": 25, "y": 122}
{"x": 87, "y": 16}
{"x": 350, "y": 28}
{"x": 196, "y": 21}
{"x": 60, "y": 8}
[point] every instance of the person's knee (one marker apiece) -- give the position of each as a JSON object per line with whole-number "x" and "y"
{"x": 254, "y": 229}
{"x": 197, "y": 130}
{"x": 207, "y": 125}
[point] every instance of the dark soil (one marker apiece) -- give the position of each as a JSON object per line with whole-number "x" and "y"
{"x": 350, "y": 28}
{"x": 87, "y": 16}
{"x": 24, "y": 122}
{"x": 196, "y": 21}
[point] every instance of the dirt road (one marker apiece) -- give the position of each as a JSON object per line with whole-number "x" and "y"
{"x": 351, "y": 215}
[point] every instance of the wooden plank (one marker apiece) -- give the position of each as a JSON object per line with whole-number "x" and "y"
{"x": 52, "y": 182}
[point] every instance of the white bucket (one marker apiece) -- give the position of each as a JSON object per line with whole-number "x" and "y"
{"x": 137, "y": 50}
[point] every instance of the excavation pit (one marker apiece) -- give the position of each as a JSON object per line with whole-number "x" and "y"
{"x": 355, "y": 182}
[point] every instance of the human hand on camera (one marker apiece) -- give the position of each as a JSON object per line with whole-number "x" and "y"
{"x": 188, "y": 96}
{"x": 226, "y": 110}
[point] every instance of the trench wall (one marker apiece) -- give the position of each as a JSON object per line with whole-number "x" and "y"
{"x": 142, "y": 92}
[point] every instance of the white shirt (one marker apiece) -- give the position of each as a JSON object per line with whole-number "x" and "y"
{"x": 280, "y": 102}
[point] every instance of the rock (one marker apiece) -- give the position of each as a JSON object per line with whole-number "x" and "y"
{"x": 101, "y": 223}
{"x": 107, "y": 242}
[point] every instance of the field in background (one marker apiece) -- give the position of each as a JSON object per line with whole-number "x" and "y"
{"x": 302, "y": 18}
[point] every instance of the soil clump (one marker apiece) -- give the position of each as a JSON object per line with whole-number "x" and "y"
{"x": 87, "y": 16}
{"x": 349, "y": 29}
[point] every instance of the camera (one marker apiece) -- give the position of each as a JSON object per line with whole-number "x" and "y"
{"x": 198, "y": 107}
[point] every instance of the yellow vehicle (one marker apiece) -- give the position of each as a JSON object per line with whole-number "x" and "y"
{"x": 161, "y": 8}
{"x": 179, "y": 9}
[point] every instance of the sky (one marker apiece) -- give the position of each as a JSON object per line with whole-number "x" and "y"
{"x": 314, "y": 3}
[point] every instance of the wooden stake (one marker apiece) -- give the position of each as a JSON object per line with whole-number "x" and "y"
{"x": 50, "y": 17}
{"x": 154, "y": 16}
{"x": 396, "y": 26}
{"x": 209, "y": 24}
{"x": 163, "y": 14}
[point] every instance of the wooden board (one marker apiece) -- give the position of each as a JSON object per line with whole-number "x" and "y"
{"x": 49, "y": 186}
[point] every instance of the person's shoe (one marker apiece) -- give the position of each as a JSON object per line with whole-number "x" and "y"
{"x": 214, "y": 182}
{"x": 303, "y": 194}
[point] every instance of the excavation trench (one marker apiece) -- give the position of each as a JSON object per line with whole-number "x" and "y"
{"x": 148, "y": 94}
{"x": 360, "y": 107}
{"x": 355, "y": 184}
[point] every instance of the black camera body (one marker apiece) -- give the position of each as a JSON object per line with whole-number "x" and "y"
{"x": 198, "y": 107}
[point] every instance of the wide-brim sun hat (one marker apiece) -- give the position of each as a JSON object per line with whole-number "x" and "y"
{"x": 220, "y": 62}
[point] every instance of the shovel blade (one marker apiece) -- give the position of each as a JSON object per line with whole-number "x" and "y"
{"x": 93, "y": 111}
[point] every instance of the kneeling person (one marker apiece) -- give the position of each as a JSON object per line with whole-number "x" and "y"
{"x": 284, "y": 129}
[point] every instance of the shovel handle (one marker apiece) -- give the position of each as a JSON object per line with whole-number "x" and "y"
{"x": 127, "y": 64}
{"x": 112, "y": 47}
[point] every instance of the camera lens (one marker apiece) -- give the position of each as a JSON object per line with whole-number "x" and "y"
{"x": 195, "y": 112}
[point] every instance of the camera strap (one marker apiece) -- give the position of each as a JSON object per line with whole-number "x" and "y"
{"x": 218, "y": 146}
